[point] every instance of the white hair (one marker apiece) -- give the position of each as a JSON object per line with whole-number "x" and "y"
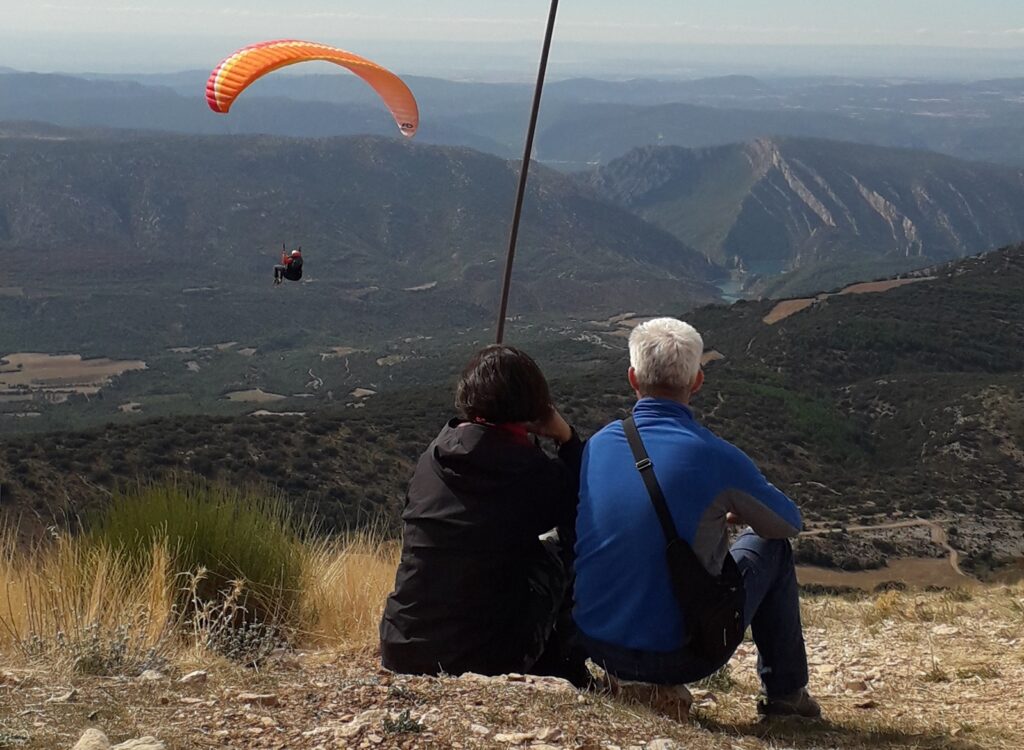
{"x": 666, "y": 354}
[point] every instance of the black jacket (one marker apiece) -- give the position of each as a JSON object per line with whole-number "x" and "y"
{"x": 477, "y": 502}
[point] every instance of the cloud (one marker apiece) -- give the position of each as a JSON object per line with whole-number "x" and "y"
{"x": 243, "y": 12}
{"x": 576, "y": 24}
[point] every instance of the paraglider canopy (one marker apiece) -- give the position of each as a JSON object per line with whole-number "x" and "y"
{"x": 247, "y": 65}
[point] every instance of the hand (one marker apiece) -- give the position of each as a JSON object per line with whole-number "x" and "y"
{"x": 734, "y": 519}
{"x": 552, "y": 426}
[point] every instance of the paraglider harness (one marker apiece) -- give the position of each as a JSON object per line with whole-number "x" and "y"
{"x": 291, "y": 266}
{"x": 711, "y": 605}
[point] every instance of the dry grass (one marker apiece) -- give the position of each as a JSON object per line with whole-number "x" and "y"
{"x": 344, "y": 584}
{"x": 948, "y": 663}
{"x": 67, "y": 600}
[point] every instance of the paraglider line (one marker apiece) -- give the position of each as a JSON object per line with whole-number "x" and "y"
{"x": 524, "y": 173}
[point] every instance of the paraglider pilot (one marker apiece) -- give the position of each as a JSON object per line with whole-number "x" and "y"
{"x": 291, "y": 266}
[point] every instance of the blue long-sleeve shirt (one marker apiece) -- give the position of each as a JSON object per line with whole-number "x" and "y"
{"x": 623, "y": 591}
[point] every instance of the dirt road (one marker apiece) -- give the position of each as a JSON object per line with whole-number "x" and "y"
{"x": 939, "y": 537}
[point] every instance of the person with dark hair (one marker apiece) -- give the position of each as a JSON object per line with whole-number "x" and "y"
{"x": 477, "y": 589}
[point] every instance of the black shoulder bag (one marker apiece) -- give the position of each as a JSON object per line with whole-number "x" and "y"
{"x": 712, "y": 606}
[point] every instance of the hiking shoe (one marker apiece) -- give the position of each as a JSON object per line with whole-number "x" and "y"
{"x": 799, "y": 704}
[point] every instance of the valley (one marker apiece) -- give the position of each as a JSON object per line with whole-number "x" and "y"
{"x": 856, "y": 406}
{"x": 890, "y": 399}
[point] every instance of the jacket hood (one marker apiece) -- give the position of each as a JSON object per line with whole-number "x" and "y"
{"x": 474, "y": 456}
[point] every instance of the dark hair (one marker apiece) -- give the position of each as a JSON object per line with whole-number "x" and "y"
{"x": 502, "y": 384}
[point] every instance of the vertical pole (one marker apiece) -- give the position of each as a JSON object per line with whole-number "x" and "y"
{"x": 525, "y": 171}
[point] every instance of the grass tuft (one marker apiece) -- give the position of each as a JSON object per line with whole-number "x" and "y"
{"x": 721, "y": 682}
{"x": 935, "y": 674}
{"x": 230, "y": 535}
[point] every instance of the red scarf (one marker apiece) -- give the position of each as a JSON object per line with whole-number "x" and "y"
{"x": 517, "y": 431}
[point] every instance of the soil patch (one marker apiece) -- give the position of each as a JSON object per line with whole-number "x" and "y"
{"x": 790, "y": 307}
{"x": 874, "y": 287}
{"x": 917, "y": 572}
{"x": 787, "y": 308}
{"x": 255, "y": 396}
{"x": 337, "y": 352}
{"x": 59, "y": 376}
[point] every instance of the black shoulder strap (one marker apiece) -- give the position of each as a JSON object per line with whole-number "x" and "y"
{"x": 646, "y": 469}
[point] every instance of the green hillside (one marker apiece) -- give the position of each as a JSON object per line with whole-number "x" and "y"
{"x": 865, "y": 408}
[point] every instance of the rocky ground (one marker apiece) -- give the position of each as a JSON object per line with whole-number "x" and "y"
{"x": 896, "y": 670}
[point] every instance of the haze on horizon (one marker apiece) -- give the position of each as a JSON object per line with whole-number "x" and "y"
{"x": 491, "y": 39}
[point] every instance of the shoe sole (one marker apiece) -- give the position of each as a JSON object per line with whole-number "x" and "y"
{"x": 787, "y": 717}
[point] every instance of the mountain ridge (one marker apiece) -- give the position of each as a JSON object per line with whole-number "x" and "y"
{"x": 112, "y": 231}
{"x": 786, "y": 204}
{"x": 584, "y": 121}
{"x": 167, "y": 191}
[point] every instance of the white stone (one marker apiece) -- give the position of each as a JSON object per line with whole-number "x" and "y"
{"x": 261, "y": 699}
{"x": 549, "y": 734}
{"x": 433, "y": 716}
{"x": 143, "y": 743}
{"x": 553, "y": 684}
{"x": 663, "y": 744}
{"x": 198, "y": 677}
{"x": 93, "y": 739}
{"x": 515, "y": 738}
{"x": 367, "y": 718}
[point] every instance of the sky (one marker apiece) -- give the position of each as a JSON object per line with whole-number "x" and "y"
{"x": 117, "y": 34}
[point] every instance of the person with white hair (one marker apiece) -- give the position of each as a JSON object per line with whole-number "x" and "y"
{"x": 660, "y": 596}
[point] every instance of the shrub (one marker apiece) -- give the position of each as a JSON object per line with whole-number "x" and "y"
{"x": 227, "y": 534}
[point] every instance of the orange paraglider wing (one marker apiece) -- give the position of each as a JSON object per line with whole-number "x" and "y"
{"x": 236, "y": 73}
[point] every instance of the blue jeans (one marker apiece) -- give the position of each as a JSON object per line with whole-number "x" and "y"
{"x": 772, "y": 612}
